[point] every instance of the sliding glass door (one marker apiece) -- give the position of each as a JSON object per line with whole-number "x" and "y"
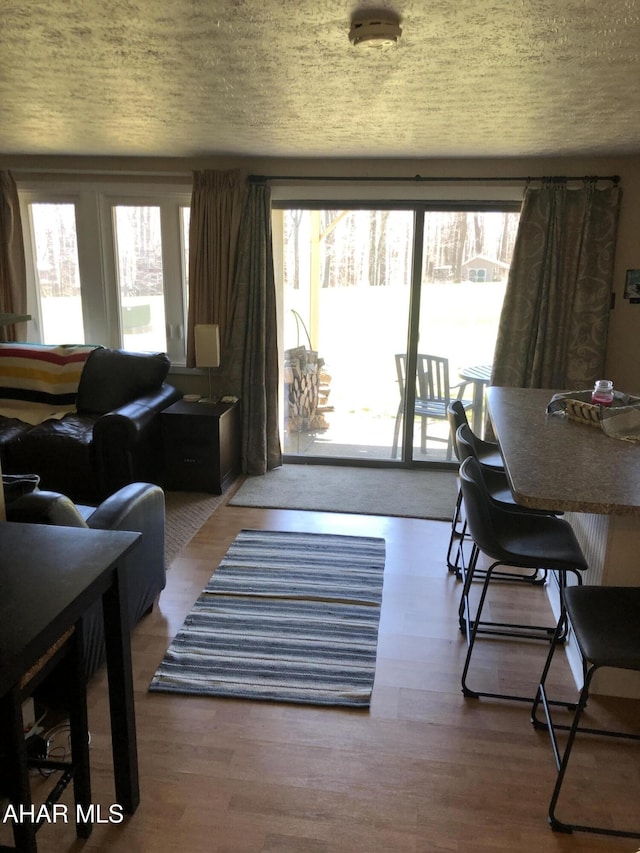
{"x": 465, "y": 263}
{"x": 367, "y": 292}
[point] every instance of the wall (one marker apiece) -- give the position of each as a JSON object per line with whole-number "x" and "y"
{"x": 623, "y": 364}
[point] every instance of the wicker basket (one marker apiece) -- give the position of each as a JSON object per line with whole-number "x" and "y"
{"x": 584, "y": 413}
{"x": 620, "y": 420}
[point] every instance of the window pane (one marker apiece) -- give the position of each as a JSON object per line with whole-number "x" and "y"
{"x": 57, "y": 275}
{"x": 140, "y": 278}
{"x": 346, "y": 277}
{"x": 186, "y": 219}
{"x": 466, "y": 261}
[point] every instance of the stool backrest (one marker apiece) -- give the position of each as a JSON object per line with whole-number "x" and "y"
{"x": 457, "y": 417}
{"x": 480, "y": 511}
{"x": 466, "y": 443}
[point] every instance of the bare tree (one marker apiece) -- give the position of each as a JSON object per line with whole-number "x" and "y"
{"x": 293, "y": 220}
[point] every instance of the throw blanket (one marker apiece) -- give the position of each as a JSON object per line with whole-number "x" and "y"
{"x": 38, "y": 381}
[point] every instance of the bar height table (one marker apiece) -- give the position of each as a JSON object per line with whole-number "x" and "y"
{"x": 556, "y": 463}
{"x": 49, "y": 576}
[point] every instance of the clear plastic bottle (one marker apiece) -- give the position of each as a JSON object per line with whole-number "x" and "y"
{"x": 602, "y": 394}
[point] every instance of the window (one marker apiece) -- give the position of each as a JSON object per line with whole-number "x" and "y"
{"x": 108, "y": 265}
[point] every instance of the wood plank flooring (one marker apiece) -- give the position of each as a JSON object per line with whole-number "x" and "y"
{"x": 423, "y": 771}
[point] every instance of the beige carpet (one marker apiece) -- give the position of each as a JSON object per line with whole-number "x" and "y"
{"x": 186, "y": 512}
{"x": 369, "y": 491}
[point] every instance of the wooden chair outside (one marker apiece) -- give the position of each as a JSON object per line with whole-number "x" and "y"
{"x": 433, "y": 396}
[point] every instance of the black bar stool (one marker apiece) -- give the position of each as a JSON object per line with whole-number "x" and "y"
{"x": 606, "y": 624}
{"x": 512, "y": 540}
{"x": 500, "y": 493}
{"x": 488, "y": 453}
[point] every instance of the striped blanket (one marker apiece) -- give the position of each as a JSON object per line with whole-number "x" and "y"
{"x": 38, "y": 381}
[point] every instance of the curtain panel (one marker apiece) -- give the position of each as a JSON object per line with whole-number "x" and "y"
{"x": 13, "y": 277}
{"x": 555, "y": 316}
{"x": 255, "y": 335}
{"x": 217, "y": 200}
{"x": 232, "y": 283}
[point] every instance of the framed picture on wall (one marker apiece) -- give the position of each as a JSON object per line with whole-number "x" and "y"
{"x": 632, "y": 286}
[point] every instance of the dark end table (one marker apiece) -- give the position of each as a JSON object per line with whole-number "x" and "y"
{"x": 201, "y": 446}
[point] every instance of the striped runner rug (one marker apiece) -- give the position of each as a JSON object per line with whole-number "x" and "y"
{"x": 287, "y": 617}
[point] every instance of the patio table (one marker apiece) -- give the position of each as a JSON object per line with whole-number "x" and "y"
{"x": 480, "y": 376}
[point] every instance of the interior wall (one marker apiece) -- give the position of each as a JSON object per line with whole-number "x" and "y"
{"x": 623, "y": 365}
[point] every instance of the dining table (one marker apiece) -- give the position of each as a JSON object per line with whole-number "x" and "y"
{"x": 556, "y": 463}
{"x": 49, "y": 576}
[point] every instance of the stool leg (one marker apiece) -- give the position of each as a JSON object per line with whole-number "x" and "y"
{"x": 456, "y": 534}
{"x": 467, "y": 574}
{"x": 472, "y": 634}
{"x": 557, "y": 825}
{"x": 540, "y": 696}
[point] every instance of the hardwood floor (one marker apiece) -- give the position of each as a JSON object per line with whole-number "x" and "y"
{"x": 423, "y": 771}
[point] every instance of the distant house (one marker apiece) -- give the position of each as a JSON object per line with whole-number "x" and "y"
{"x": 481, "y": 268}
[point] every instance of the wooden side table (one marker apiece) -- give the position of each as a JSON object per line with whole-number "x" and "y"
{"x": 201, "y": 446}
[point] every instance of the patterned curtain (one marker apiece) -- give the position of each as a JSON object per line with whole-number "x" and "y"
{"x": 255, "y": 345}
{"x": 231, "y": 283}
{"x": 13, "y": 279}
{"x": 555, "y": 316}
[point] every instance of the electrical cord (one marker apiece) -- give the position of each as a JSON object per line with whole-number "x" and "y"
{"x": 60, "y": 752}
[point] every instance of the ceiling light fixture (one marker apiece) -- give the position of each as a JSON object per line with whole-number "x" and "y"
{"x": 381, "y": 30}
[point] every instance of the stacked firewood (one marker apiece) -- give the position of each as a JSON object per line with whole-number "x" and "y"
{"x": 306, "y": 390}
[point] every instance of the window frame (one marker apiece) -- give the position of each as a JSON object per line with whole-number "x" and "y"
{"x": 97, "y": 263}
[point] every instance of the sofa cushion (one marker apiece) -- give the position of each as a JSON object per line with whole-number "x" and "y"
{"x": 60, "y": 451}
{"x": 39, "y": 381}
{"x": 10, "y": 429}
{"x": 112, "y": 378}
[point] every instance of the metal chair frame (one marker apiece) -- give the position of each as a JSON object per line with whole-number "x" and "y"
{"x": 624, "y": 619}
{"x": 484, "y": 517}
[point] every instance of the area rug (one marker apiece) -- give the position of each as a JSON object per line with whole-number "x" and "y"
{"x": 185, "y": 513}
{"x": 369, "y": 491}
{"x": 286, "y": 617}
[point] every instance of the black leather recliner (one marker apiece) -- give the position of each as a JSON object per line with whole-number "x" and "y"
{"x": 137, "y": 507}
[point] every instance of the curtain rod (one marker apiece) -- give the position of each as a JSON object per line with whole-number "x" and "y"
{"x": 258, "y": 179}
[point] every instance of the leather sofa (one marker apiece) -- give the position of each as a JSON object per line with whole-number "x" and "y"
{"x": 138, "y": 507}
{"x": 109, "y": 433}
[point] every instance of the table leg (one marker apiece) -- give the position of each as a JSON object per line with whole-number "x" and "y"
{"x": 121, "y": 703}
{"x": 79, "y": 732}
{"x": 477, "y": 408}
{"x": 15, "y": 775}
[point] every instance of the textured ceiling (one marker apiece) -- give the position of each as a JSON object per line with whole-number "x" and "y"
{"x": 280, "y": 78}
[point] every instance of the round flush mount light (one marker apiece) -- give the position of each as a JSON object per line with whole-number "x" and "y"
{"x": 374, "y": 31}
